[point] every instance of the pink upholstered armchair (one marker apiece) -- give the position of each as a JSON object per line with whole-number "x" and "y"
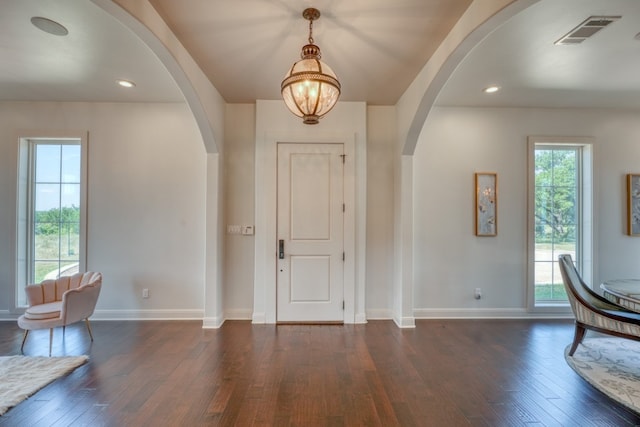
{"x": 60, "y": 302}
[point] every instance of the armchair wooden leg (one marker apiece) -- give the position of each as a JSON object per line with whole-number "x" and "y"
{"x": 89, "y": 328}
{"x": 24, "y": 339}
{"x": 50, "y": 340}
{"x": 577, "y": 338}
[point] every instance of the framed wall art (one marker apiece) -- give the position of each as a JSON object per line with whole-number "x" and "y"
{"x": 486, "y": 204}
{"x": 633, "y": 204}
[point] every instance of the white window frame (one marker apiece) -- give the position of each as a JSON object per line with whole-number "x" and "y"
{"x": 584, "y": 234}
{"x": 24, "y": 214}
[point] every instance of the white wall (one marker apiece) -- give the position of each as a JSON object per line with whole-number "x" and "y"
{"x": 146, "y": 202}
{"x": 240, "y": 149}
{"x": 381, "y": 149}
{"x": 449, "y": 261}
{"x": 150, "y": 158}
{"x": 239, "y": 209}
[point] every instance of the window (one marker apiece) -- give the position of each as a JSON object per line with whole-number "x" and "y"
{"x": 51, "y": 210}
{"x": 560, "y": 216}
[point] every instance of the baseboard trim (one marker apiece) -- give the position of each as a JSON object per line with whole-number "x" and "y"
{"x": 376, "y": 314}
{"x": 6, "y": 315}
{"x": 405, "y": 322}
{"x": 259, "y": 318}
{"x": 147, "y": 315}
{"x": 489, "y": 313}
{"x": 360, "y": 319}
{"x": 238, "y": 314}
{"x": 212, "y": 322}
{"x": 379, "y": 314}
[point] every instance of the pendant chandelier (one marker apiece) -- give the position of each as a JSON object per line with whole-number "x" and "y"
{"x": 310, "y": 89}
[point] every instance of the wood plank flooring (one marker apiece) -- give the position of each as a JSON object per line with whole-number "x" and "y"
{"x": 443, "y": 373}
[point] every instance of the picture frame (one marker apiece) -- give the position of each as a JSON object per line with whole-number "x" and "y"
{"x": 486, "y": 206}
{"x": 633, "y": 204}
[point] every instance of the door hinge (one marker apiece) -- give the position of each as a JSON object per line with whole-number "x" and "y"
{"x": 342, "y": 256}
{"x": 343, "y": 207}
{"x": 343, "y": 304}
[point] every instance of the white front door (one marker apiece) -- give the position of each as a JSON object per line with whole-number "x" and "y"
{"x": 310, "y": 233}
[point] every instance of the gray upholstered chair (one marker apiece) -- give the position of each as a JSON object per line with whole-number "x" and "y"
{"x": 593, "y": 311}
{"x": 60, "y": 302}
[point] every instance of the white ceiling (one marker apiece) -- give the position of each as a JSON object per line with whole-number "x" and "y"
{"x": 376, "y": 47}
{"x": 82, "y": 66}
{"x": 521, "y": 57}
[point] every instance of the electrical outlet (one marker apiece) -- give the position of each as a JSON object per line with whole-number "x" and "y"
{"x": 478, "y": 293}
{"x": 145, "y": 293}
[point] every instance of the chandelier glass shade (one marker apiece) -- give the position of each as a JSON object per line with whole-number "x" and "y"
{"x": 310, "y": 88}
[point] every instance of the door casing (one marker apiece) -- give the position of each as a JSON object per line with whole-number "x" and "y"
{"x": 264, "y": 302}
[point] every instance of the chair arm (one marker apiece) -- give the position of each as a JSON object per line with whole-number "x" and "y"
{"x": 79, "y": 303}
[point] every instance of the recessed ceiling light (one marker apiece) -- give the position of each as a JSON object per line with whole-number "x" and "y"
{"x": 49, "y": 26}
{"x": 126, "y": 83}
{"x": 491, "y": 89}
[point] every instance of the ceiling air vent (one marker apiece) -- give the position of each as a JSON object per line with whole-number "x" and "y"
{"x": 586, "y": 29}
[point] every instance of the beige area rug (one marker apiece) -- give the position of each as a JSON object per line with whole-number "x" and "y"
{"x": 612, "y": 365}
{"x": 22, "y": 376}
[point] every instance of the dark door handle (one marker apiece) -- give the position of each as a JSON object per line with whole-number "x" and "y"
{"x": 281, "y": 249}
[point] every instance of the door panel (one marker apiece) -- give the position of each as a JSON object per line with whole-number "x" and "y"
{"x": 310, "y": 278}
{"x": 310, "y": 198}
{"x": 310, "y": 222}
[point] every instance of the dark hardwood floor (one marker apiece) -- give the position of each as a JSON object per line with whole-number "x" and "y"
{"x": 443, "y": 373}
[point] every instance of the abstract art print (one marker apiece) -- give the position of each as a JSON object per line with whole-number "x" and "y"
{"x": 486, "y": 204}
{"x": 633, "y": 204}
